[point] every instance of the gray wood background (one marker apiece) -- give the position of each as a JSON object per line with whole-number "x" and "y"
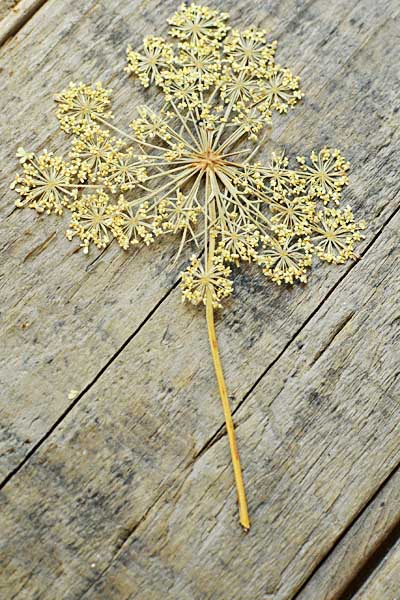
{"x": 126, "y": 492}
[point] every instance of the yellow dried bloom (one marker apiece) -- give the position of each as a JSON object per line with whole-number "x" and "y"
{"x": 199, "y": 280}
{"x": 80, "y": 105}
{"x": 296, "y": 213}
{"x": 196, "y": 24}
{"x": 280, "y": 178}
{"x": 249, "y": 49}
{"x": 134, "y": 225}
{"x": 92, "y": 220}
{"x": 23, "y": 155}
{"x": 179, "y": 214}
{"x": 286, "y": 257}
{"x": 335, "y": 233}
{"x": 201, "y": 64}
{"x": 239, "y": 240}
{"x": 240, "y": 88}
{"x": 156, "y": 55}
{"x": 251, "y": 121}
{"x": 185, "y": 169}
{"x": 280, "y": 90}
{"x": 45, "y": 183}
{"x": 327, "y": 174}
{"x": 92, "y": 153}
{"x": 123, "y": 171}
{"x": 150, "y": 125}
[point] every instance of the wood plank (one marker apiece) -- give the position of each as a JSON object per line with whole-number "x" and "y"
{"x": 57, "y": 303}
{"x": 14, "y": 15}
{"x": 6, "y": 6}
{"x": 94, "y": 501}
{"x": 63, "y": 315}
{"x": 128, "y": 512}
{"x": 385, "y": 582}
{"x": 346, "y": 564}
{"x": 322, "y": 428}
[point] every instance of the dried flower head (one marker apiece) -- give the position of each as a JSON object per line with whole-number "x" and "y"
{"x": 80, "y": 105}
{"x": 45, "y": 183}
{"x": 189, "y": 169}
{"x": 197, "y": 24}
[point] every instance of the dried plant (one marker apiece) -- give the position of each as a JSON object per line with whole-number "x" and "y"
{"x": 190, "y": 170}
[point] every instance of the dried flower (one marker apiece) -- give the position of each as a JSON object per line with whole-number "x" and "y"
{"x": 45, "y": 183}
{"x": 199, "y": 281}
{"x": 147, "y": 65}
{"x": 80, "y": 105}
{"x": 198, "y": 24}
{"x": 188, "y": 169}
{"x": 327, "y": 174}
{"x": 335, "y": 233}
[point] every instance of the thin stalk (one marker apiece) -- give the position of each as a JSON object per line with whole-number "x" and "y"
{"x": 230, "y": 428}
{"x": 243, "y": 510}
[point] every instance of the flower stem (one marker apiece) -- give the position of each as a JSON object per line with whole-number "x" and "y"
{"x": 243, "y": 511}
{"x": 212, "y": 193}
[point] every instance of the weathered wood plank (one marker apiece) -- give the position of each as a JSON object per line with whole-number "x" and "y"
{"x": 323, "y": 428}
{"x": 385, "y": 582}
{"x": 352, "y": 554}
{"x": 58, "y": 303}
{"x": 63, "y": 316}
{"x": 14, "y": 15}
{"x": 6, "y": 6}
{"x": 128, "y": 507}
{"x": 95, "y": 500}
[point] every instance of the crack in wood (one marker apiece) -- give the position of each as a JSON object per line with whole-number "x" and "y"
{"x": 90, "y": 266}
{"x": 18, "y": 18}
{"x": 217, "y": 435}
{"x": 69, "y": 408}
{"x": 127, "y": 533}
{"x": 122, "y": 540}
{"x": 39, "y": 249}
{"x": 373, "y": 560}
{"x": 339, "y": 327}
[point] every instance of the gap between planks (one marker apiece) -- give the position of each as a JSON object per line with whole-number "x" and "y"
{"x": 373, "y": 560}
{"x": 17, "y": 17}
{"x": 370, "y": 567}
{"x": 217, "y": 435}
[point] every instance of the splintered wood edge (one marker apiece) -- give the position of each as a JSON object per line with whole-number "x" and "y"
{"x": 384, "y": 583}
{"x": 17, "y": 17}
{"x": 352, "y": 556}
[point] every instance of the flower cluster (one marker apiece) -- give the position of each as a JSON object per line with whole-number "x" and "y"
{"x": 189, "y": 170}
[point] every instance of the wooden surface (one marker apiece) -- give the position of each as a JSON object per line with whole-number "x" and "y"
{"x": 127, "y": 491}
{"x": 385, "y": 583}
{"x": 362, "y": 548}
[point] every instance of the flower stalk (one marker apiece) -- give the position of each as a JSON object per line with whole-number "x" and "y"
{"x": 219, "y": 374}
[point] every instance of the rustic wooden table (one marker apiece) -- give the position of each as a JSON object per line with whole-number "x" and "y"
{"x": 126, "y": 492}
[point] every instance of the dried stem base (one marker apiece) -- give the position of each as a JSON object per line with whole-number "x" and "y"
{"x": 243, "y": 511}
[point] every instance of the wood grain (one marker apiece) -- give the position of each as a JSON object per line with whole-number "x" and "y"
{"x": 320, "y": 443}
{"x": 352, "y": 556}
{"x": 385, "y": 582}
{"x": 14, "y": 15}
{"x": 115, "y": 504}
{"x": 63, "y": 316}
{"x": 128, "y": 511}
